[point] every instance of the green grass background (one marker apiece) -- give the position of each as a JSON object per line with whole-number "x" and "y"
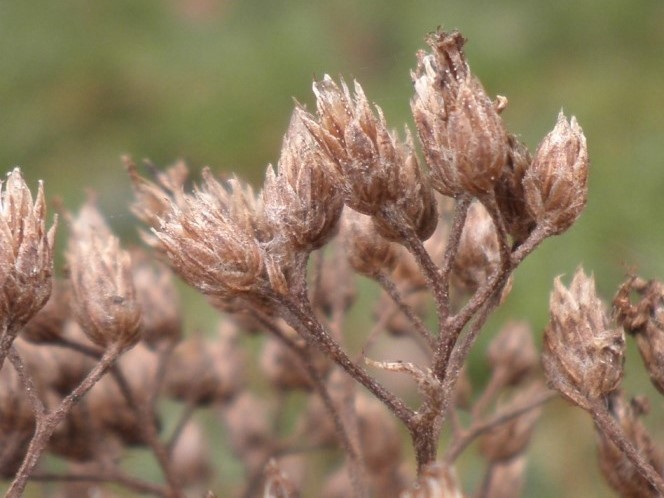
{"x": 213, "y": 82}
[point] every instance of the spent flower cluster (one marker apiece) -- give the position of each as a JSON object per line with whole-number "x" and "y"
{"x": 91, "y": 356}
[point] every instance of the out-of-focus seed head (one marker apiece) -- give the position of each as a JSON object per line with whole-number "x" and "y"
{"x": 380, "y": 441}
{"x": 302, "y": 200}
{"x": 618, "y": 470}
{"x": 203, "y": 371}
{"x": 510, "y": 439}
{"x": 26, "y": 252}
{"x": 368, "y": 253}
{"x": 191, "y": 456}
{"x": 507, "y": 478}
{"x": 463, "y": 137}
{"x": 512, "y": 354}
{"x": 161, "y": 320}
{"x": 478, "y": 254}
{"x": 277, "y": 483}
{"x": 211, "y": 238}
{"x": 283, "y": 368}
{"x": 437, "y": 480}
{"x": 104, "y": 297}
{"x": 582, "y": 357}
{"x": 48, "y": 324}
{"x": 645, "y": 322}
{"x": 379, "y": 175}
{"x": 510, "y": 196}
{"x": 556, "y": 184}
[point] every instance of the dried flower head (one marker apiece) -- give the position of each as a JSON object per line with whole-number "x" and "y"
{"x": 616, "y": 467}
{"x": 512, "y": 354}
{"x": 463, "y": 137}
{"x": 582, "y": 357}
{"x": 302, "y": 200}
{"x": 380, "y": 175}
{"x": 510, "y": 195}
{"x": 510, "y": 439}
{"x": 556, "y": 184}
{"x": 478, "y": 254}
{"x": 26, "y": 253}
{"x": 645, "y": 321}
{"x": 104, "y": 297}
{"x": 277, "y": 483}
{"x": 437, "y": 480}
{"x": 210, "y": 237}
{"x": 49, "y": 323}
{"x": 284, "y": 369}
{"x": 507, "y": 478}
{"x": 161, "y": 320}
{"x": 368, "y": 253}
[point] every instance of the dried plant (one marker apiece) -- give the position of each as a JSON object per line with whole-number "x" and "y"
{"x": 90, "y": 361}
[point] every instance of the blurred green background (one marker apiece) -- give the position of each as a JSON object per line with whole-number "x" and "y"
{"x": 213, "y": 82}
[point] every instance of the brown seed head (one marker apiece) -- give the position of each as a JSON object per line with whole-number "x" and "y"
{"x": 437, "y": 480}
{"x": 26, "y": 252}
{"x": 161, "y": 319}
{"x": 302, "y": 200}
{"x": 618, "y": 470}
{"x": 512, "y": 354}
{"x": 210, "y": 238}
{"x": 582, "y": 357}
{"x": 283, "y": 368}
{"x": 556, "y": 184}
{"x": 463, "y": 137}
{"x": 104, "y": 297}
{"x": 191, "y": 455}
{"x": 644, "y": 320}
{"x": 49, "y": 323}
{"x": 507, "y": 478}
{"x": 379, "y": 175}
{"x": 510, "y": 439}
{"x": 368, "y": 253}
{"x": 510, "y": 196}
{"x": 478, "y": 254}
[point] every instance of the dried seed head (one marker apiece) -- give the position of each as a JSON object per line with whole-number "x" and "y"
{"x": 437, "y": 480}
{"x": 507, "y": 478}
{"x": 49, "y": 322}
{"x": 645, "y": 321}
{"x": 191, "y": 455}
{"x": 380, "y": 175}
{"x": 76, "y": 438}
{"x": 161, "y": 319}
{"x": 249, "y": 429}
{"x": 26, "y": 252}
{"x": 510, "y": 196}
{"x": 277, "y": 482}
{"x": 512, "y": 354}
{"x": 618, "y": 470}
{"x": 302, "y": 200}
{"x": 283, "y": 367}
{"x": 556, "y": 184}
{"x": 104, "y": 297}
{"x": 582, "y": 357}
{"x": 478, "y": 254}
{"x": 510, "y": 439}
{"x": 203, "y": 371}
{"x": 368, "y": 253}
{"x": 463, "y": 137}
{"x": 380, "y": 441}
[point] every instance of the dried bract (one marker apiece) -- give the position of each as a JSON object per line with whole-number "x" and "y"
{"x": 104, "y": 297}
{"x": 368, "y": 253}
{"x": 26, "y": 253}
{"x": 463, "y": 137}
{"x": 645, "y": 322}
{"x": 582, "y": 357}
{"x": 618, "y": 470}
{"x": 556, "y": 184}
{"x": 302, "y": 200}
{"x": 379, "y": 174}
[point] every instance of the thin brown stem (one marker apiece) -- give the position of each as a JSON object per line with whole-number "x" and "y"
{"x": 453, "y": 239}
{"x": 7, "y": 337}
